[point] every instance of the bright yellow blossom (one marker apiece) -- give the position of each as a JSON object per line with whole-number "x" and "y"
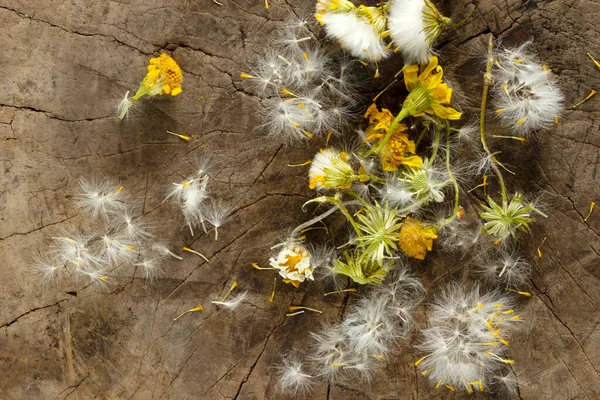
{"x": 164, "y": 76}
{"x": 428, "y": 93}
{"x": 416, "y": 238}
{"x": 399, "y": 150}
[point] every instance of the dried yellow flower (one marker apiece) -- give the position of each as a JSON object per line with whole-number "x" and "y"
{"x": 416, "y": 238}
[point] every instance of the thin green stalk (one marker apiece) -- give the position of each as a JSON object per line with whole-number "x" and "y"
{"x": 487, "y": 78}
{"x": 454, "y": 183}
{"x": 357, "y": 197}
{"x": 401, "y": 115}
{"x": 436, "y": 143}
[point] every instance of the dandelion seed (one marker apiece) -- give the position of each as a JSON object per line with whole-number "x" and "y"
{"x": 195, "y": 252}
{"x": 520, "y": 139}
{"x": 150, "y": 268}
{"x": 296, "y": 308}
{"x": 589, "y": 96}
{"x": 215, "y": 214}
{"x": 184, "y": 137}
{"x": 198, "y": 308}
{"x": 595, "y": 62}
{"x": 100, "y": 197}
{"x": 351, "y": 290}
{"x": 233, "y": 303}
{"x": 164, "y": 251}
{"x": 293, "y": 380}
{"x": 592, "y": 205}
{"x": 48, "y": 268}
{"x": 273, "y": 292}
{"x": 539, "y": 252}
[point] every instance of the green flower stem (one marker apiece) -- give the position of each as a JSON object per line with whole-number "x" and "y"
{"x": 454, "y": 183}
{"x": 357, "y": 197}
{"x": 403, "y": 114}
{"x": 340, "y": 205}
{"x": 436, "y": 143}
{"x": 487, "y": 78}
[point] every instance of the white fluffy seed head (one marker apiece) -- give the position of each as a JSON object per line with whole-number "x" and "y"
{"x": 99, "y": 197}
{"x": 150, "y": 268}
{"x": 504, "y": 266}
{"x": 117, "y": 249}
{"x": 467, "y": 336}
{"x": 526, "y": 94}
{"x": 293, "y": 377}
{"x": 355, "y": 35}
{"x": 78, "y": 252}
{"x": 405, "y": 24}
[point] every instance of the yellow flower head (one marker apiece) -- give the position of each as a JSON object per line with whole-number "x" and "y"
{"x": 428, "y": 93}
{"x": 399, "y": 150}
{"x": 416, "y": 238}
{"x": 164, "y": 74}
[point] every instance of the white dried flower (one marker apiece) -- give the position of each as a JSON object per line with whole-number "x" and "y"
{"x": 330, "y": 169}
{"x": 294, "y": 264}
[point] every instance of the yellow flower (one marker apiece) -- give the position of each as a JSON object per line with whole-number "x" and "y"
{"x": 164, "y": 74}
{"x": 399, "y": 150}
{"x": 416, "y": 238}
{"x": 428, "y": 93}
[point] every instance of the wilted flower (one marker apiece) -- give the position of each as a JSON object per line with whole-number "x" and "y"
{"x": 379, "y": 232}
{"x": 399, "y": 150}
{"x": 294, "y": 264}
{"x": 330, "y": 170}
{"x": 416, "y": 238}
{"x": 361, "y": 270}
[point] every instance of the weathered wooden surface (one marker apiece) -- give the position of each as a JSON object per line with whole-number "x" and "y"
{"x": 65, "y": 65}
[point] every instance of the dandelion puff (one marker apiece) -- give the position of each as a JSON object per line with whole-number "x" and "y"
{"x": 100, "y": 197}
{"x": 456, "y": 235}
{"x": 48, "y": 267}
{"x": 150, "y": 268}
{"x": 504, "y": 266}
{"x": 293, "y": 379}
{"x": 117, "y": 249}
{"x": 125, "y": 105}
{"x": 508, "y": 382}
{"x": 355, "y": 34}
{"x": 78, "y": 252}
{"x": 164, "y": 252}
{"x": 467, "y": 335}
{"x": 233, "y": 303}
{"x": 132, "y": 229}
{"x": 414, "y": 25}
{"x": 100, "y": 278}
{"x": 328, "y": 352}
{"x": 215, "y": 214}
{"x": 526, "y": 94}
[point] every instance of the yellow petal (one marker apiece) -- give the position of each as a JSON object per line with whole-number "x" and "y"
{"x": 176, "y": 91}
{"x": 166, "y": 88}
{"x": 412, "y": 161}
{"x": 410, "y": 76}
{"x": 445, "y": 112}
{"x": 433, "y": 63}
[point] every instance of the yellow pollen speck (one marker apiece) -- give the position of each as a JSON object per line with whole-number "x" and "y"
{"x": 522, "y": 121}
